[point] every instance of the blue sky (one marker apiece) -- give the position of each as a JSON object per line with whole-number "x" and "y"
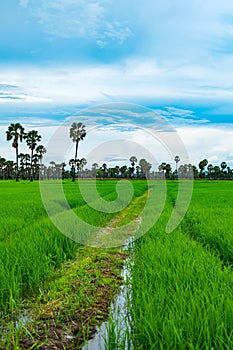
{"x": 175, "y": 57}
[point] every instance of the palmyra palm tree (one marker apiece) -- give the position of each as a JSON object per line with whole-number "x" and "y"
{"x": 177, "y": 160}
{"x": 80, "y": 164}
{"x": 162, "y": 167}
{"x": 40, "y": 150}
{"x": 77, "y": 133}
{"x": 24, "y": 162}
{"x": 202, "y": 166}
{"x": 133, "y": 160}
{"x": 16, "y": 133}
{"x": 63, "y": 165}
{"x": 223, "y": 166}
{"x": 9, "y": 168}
{"x": 145, "y": 167}
{"x": 94, "y": 168}
{"x": 210, "y": 169}
{"x": 2, "y": 166}
{"x": 72, "y": 169}
{"x": 53, "y": 166}
{"x": 32, "y": 138}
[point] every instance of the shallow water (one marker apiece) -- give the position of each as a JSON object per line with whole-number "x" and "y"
{"x": 117, "y": 328}
{"x": 22, "y": 321}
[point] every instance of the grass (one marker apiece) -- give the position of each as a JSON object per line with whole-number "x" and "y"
{"x": 182, "y": 292}
{"x": 31, "y": 247}
{"x": 32, "y": 250}
{"x": 71, "y": 303}
{"x": 181, "y": 283}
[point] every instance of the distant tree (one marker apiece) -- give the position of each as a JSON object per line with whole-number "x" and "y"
{"x": 138, "y": 171}
{"x": 111, "y": 172}
{"x": 58, "y": 171}
{"x": 202, "y": 166}
{"x": 15, "y": 132}
{"x": 2, "y": 166}
{"x": 53, "y": 166}
{"x": 210, "y": 169}
{"x": 72, "y": 169}
{"x": 133, "y": 160}
{"x": 104, "y": 170}
{"x": 32, "y": 138}
{"x": 99, "y": 172}
{"x": 80, "y": 164}
{"x": 187, "y": 171}
{"x": 177, "y": 160}
{"x": 195, "y": 171}
{"x": 35, "y": 166}
{"x": 217, "y": 172}
{"x": 63, "y": 165}
{"x": 168, "y": 170}
{"x": 117, "y": 170}
{"x": 9, "y": 164}
{"x": 24, "y": 164}
{"x": 162, "y": 167}
{"x": 123, "y": 170}
{"x": 131, "y": 171}
{"x": 145, "y": 167}
{"x": 40, "y": 150}
{"x": 77, "y": 133}
{"x": 223, "y": 165}
{"x": 229, "y": 172}
{"x": 94, "y": 168}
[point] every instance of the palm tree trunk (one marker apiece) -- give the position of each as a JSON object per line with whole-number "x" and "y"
{"x": 31, "y": 170}
{"x": 40, "y": 171}
{"x": 17, "y": 163}
{"x": 76, "y": 151}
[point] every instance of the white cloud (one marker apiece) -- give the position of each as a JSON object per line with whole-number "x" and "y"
{"x": 81, "y": 19}
{"x": 139, "y": 80}
{"x": 212, "y": 142}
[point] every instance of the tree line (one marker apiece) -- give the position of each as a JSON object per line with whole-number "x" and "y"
{"x": 30, "y": 165}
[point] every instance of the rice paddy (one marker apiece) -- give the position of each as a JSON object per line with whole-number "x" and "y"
{"x": 181, "y": 283}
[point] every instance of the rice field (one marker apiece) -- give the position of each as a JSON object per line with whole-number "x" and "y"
{"x": 181, "y": 283}
{"x": 31, "y": 247}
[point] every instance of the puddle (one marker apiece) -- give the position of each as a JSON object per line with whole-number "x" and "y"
{"x": 116, "y": 330}
{"x": 22, "y": 321}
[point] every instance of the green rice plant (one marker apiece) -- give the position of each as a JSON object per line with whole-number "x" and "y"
{"x": 31, "y": 247}
{"x": 209, "y": 218}
{"x": 181, "y": 295}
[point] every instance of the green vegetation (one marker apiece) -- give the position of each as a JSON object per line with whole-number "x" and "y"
{"x": 31, "y": 165}
{"x": 182, "y": 282}
{"x": 30, "y": 245}
{"x": 71, "y": 303}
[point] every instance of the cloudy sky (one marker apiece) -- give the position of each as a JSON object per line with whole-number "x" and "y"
{"x": 59, "y": 57}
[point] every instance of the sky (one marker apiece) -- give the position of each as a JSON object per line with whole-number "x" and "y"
{"x": 59, "y": 58}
